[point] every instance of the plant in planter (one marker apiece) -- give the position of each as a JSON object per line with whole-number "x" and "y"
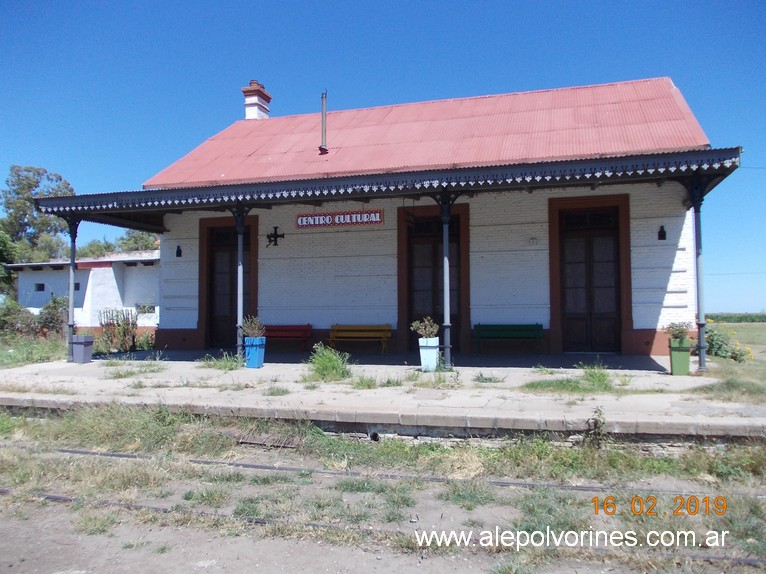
{"x": 680, "y": 347}
{"x": 429, "y": 343}
{"x": 255, "y": 341}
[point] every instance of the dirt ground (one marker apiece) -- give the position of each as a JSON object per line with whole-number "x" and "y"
{"x": 44, "y": 540}
{"x": 65, "y": 538}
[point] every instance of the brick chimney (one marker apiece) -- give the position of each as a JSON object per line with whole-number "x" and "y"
{"x": 256, "y": 101}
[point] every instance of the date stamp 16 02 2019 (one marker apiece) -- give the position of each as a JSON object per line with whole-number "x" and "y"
{"x": 647, "y": 506}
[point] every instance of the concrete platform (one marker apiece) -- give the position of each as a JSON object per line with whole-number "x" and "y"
{"x": 647, "y": 402}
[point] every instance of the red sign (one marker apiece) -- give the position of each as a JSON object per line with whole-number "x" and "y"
{"x": 339, "y": 218}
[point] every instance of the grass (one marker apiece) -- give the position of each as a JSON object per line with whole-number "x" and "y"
{"x": 391, "y": 383}
{"x": 16, "y": 351}
{"x": 740, "y": 382}
{"x": 276, "y": 391}
{"x": 8, "y": 424}
{"x": 545, "y": 507}
{"x": 747, "y": 333}
{"x": 128, "y": 428}
{"x": 482, "y": 379}
{"x": 364, "y": 383}
{"x": 592, "y": 379}
{"x": 92, "y": 522}
{"x": 226, "y": 362}
{"x": 156, "y": 430}
{"x": 736, "y": 389}
{"x": 127, "y": 367}
{"x": 214, "y": 497}
{"x": 18, "y": 388}
{"x": 438, "y": 380}
{"x": 361, "y": 485}
{"x": 468, "y": 494}
{"x": 271, "y": 479}
{"x": 326, "y": 364}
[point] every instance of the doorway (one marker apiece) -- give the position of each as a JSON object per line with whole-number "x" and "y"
{"x": 590, "y": 280}
{"x": 223, "y": 285}
{"x": 426, "y": 275}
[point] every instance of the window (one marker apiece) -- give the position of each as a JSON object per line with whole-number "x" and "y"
{"x": 77, "y": 286}
{"x": 39, "y": 286}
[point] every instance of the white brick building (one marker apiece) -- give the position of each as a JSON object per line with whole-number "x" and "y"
{"x": 117, "y": 281}
{"x": 571, "y": 208}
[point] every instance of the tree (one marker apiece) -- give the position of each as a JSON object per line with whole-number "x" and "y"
{"x": 95, "y": 249}
{"x": 7, "y": 255}
{"x": 22, "y": 221}
{"x": 133, "y": 240}
{"x": 48, "y": 248}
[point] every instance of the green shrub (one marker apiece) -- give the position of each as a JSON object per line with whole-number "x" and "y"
{"x": 720, "y": 344}
{"x": 119, "y": 327}
{"x": 145, "y": 341}
{"x": 15, "y": 319}
{"x": 53, "y": 316}
{"x": 327, "y": 364}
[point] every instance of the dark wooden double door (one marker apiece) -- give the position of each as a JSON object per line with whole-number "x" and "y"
{"x": 223, "y": 285}
{"x": 426, "y": 274}
{"x": 590, "y": 274}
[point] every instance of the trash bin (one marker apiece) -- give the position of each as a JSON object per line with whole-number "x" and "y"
{"x": 82, "y": 348}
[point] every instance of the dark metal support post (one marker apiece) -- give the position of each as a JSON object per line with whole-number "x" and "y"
{"x": 73, "y": 225}
{"x": 445, "y": 201}
{"x": 446, "y": 213}
{"x": 240, "y": 213}
{"x": 697, "y": 197}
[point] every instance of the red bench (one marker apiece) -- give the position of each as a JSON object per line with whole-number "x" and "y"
{"x": 303, "y": 333}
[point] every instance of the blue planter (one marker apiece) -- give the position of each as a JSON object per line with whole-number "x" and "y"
{"x": 255, "y": 349}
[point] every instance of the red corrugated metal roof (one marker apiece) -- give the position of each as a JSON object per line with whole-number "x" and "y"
{"x": 609, "y": 120}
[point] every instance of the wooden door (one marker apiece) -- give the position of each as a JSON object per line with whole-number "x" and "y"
{"x": 590, "y": 281}
{"x": 426, "y": 275}
{"x": 223, "y": 286}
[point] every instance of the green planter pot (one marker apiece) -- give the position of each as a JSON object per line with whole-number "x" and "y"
{"x": 680, "y": 353}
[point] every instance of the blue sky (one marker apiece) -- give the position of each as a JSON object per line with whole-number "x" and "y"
{"x": 109, "y": 93}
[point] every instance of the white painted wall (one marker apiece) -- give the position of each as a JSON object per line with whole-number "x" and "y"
{"x": 179, "y": 276}
{"x": 348, "y": 274}
{"x": 115, "y": 287}
{"x": 509, "y": 258}
{"x": 317, "y": 276}
{"x": 329, "y": 275}
{"x": 663, "y": 272}
{"x": 55, "y": 281}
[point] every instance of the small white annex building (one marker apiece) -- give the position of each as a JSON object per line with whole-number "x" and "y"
{"x": 120, "y": 281}
{"x": 577, "y": 209}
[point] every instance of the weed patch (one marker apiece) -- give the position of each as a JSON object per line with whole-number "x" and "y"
{"x": 276, "y": 391}
{"x": 482, "y": 379}
{"x": 468, "y": 494}
{"x": 391, "y": 383}
{"x": 364, "y": 383}
{"x": 226, "y": 362}
{"x": 91, "y": 522}
{"x": 542, "y": 508}
{"x": 18, "y": 350}
{"x": 214, "y": 497}
{"x": 327, "y": 364}
{"x": 592, "y": 379}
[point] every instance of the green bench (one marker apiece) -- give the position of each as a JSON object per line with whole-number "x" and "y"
{"x": 508, "y": 333}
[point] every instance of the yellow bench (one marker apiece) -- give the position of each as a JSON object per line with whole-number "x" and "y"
{"x": 380, "y": 333}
